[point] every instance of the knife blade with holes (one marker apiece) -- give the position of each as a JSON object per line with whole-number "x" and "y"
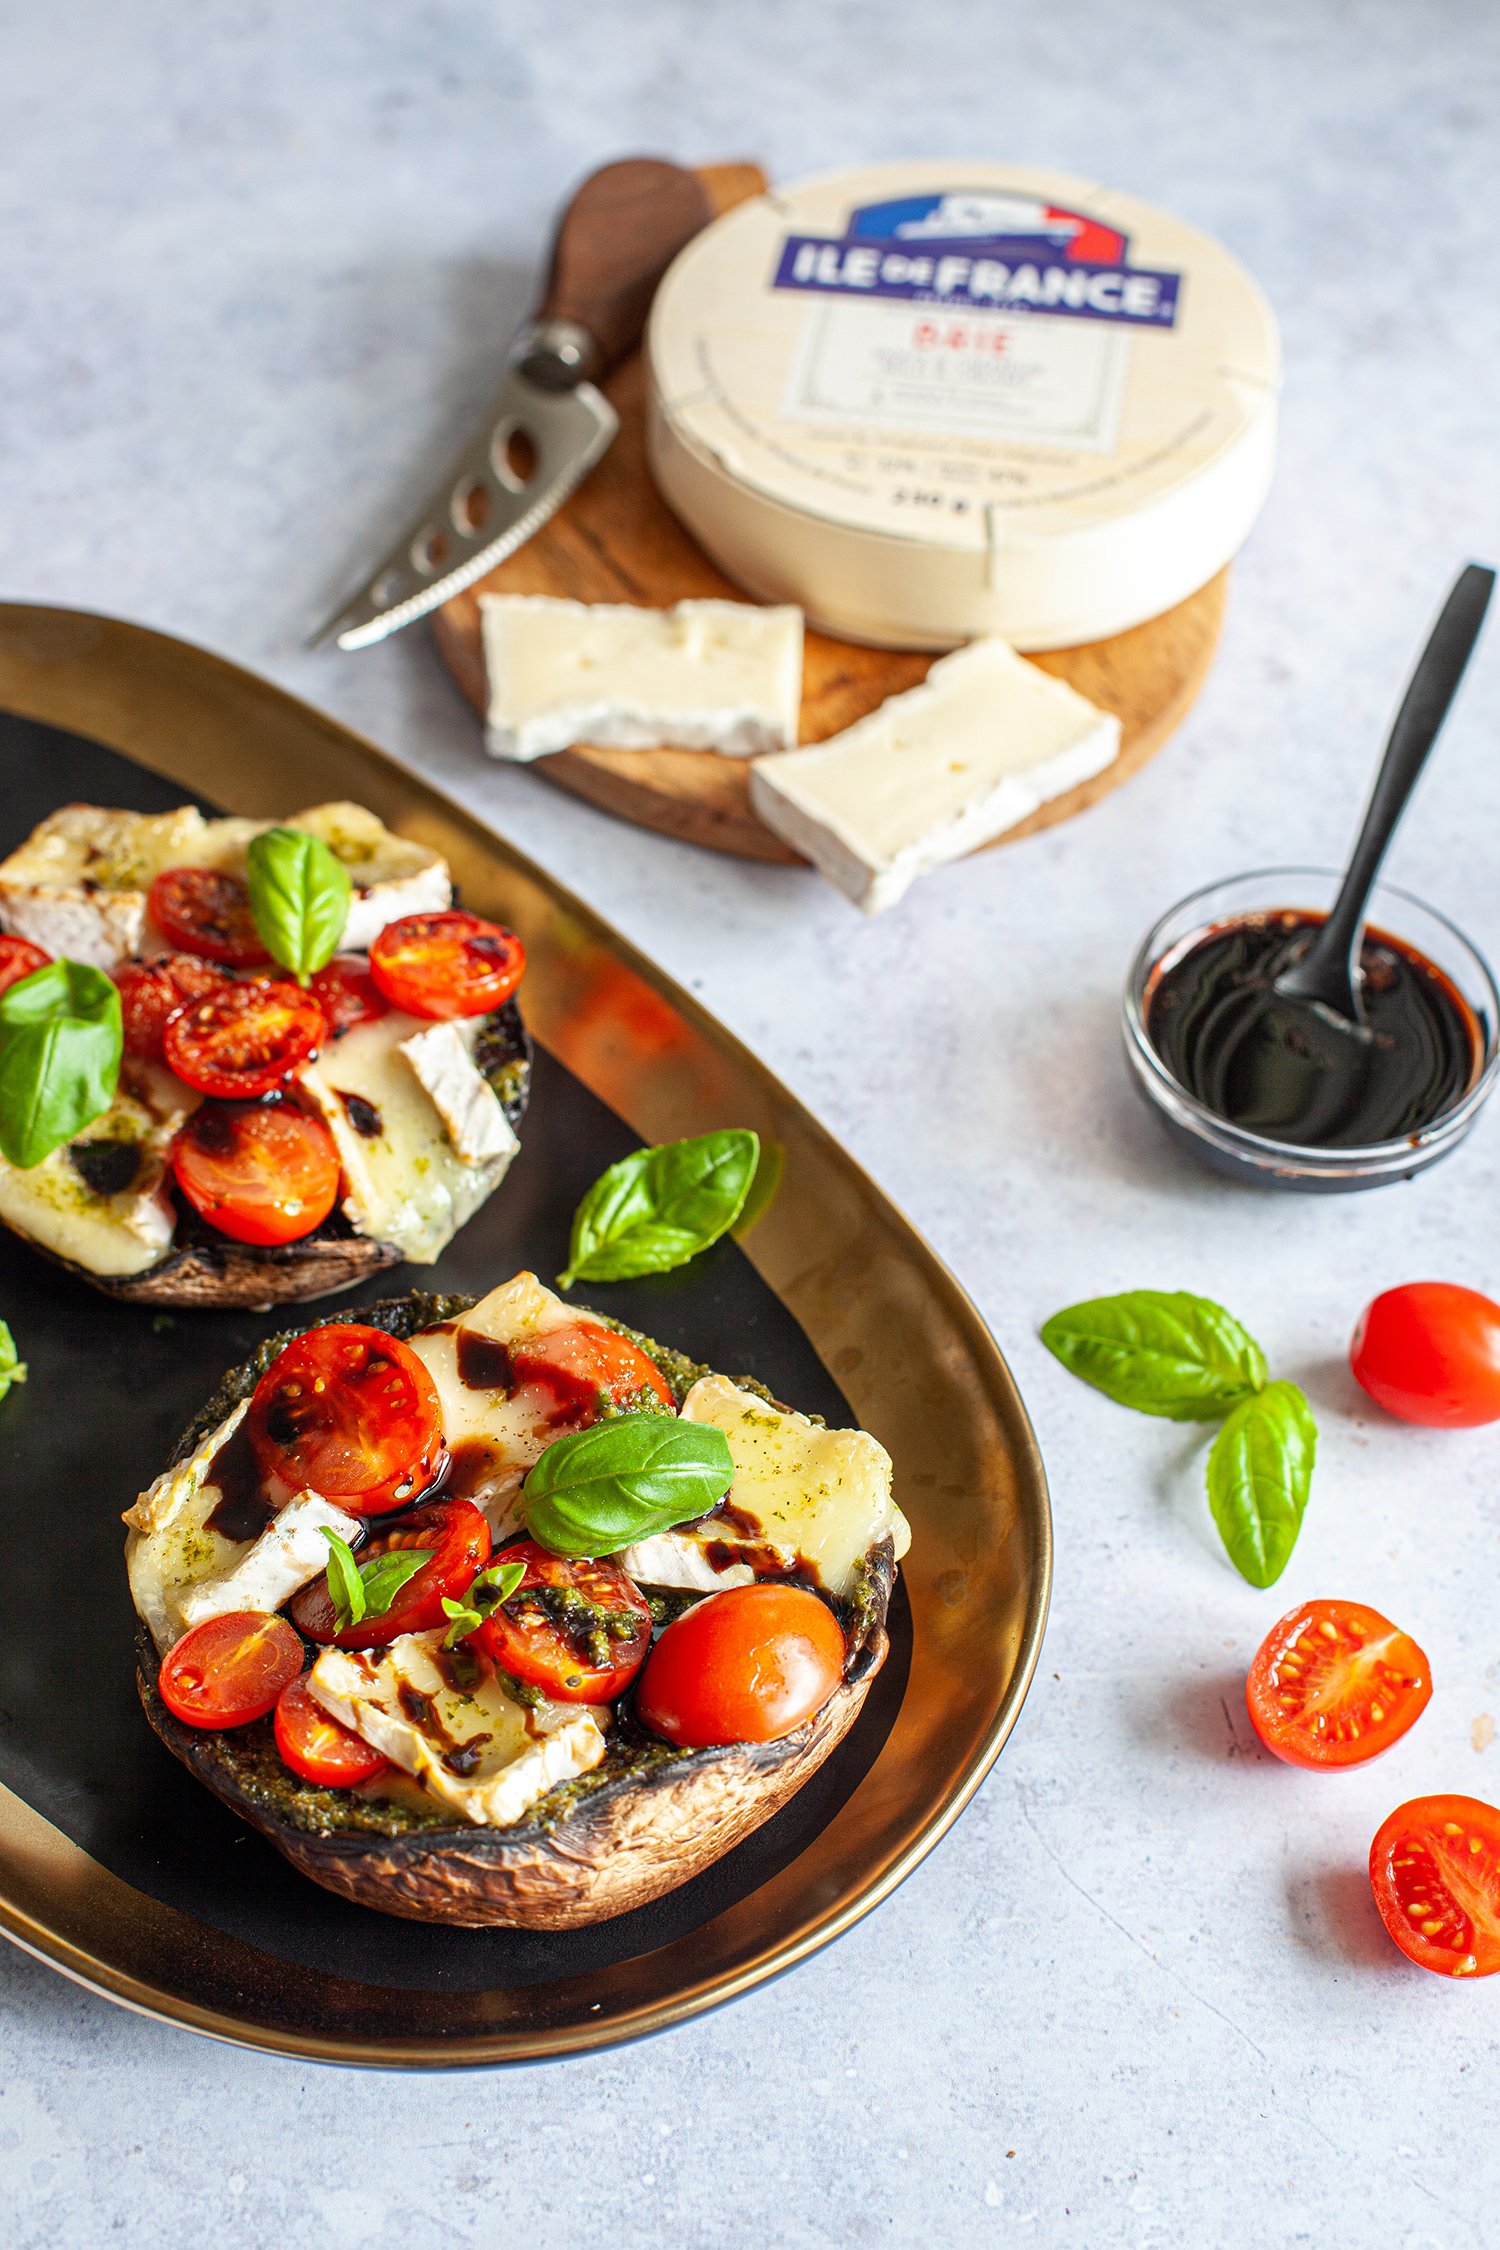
{"x": 550, "y": 423}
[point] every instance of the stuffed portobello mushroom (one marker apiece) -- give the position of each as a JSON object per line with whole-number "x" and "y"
{"x": 496, "y": 1613}
{"x": 244, "y": 1064}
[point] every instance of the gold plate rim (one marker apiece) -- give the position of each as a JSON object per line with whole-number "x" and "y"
{"x": 848, "y": 1266}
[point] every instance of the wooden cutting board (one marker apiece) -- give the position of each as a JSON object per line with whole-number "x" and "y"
{"x": 617, "y": 541}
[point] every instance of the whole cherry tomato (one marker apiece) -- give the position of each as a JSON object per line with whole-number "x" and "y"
{"x": 230, "y": 1669}
{"x": 19, "y": 958}
{"x": 350, "y": 1412}
{"x": 319, "y": 1747}
{"x": 748, "y": 1665}
{"x": 449, "y": 964}
{"x": 244, "y": 1040}
{"x": 1430, "y": 1352}
{"x": 1334, "y": 1684}
{"x": 256, "y": 1173}
{"x": 1435, "y": 1872}
{"x": 578, "y": 1629}
{"x": 203, "y": 910}
{"x": 458, "y": 1538}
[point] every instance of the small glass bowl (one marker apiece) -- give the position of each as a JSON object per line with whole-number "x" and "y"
{"x": 1248, "y": 1156}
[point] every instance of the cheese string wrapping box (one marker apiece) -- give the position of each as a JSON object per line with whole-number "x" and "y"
{"x": 928, "y": 401}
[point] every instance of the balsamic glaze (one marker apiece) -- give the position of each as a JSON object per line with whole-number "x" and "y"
{"x": 1286, "y": 1069}
{"x": 362, "y": 1115}
{"x": 483, "y": 1364}
{"x": 244, "y": 1508}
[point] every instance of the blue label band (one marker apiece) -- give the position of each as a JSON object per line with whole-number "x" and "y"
{"x": 959, "y": 273}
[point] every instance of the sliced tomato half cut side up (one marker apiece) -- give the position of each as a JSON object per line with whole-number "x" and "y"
{"x": 244, "y": 1040}
{"x": 1435, "y": 1872}
{"x": 19, "y": 958}
{"x": 155, "y": 990}
{"x": 1334, "y": 1684}
{"x": 257, "y": 1174}
{"x": 581, "y": 1371}
{"x": 230, "y": 1670}
{"x": 347, "y": 993}
{"x": 319, "y": 1747}
{"x": 578, "y": 1629}
{"x": 449, "y": 964}
{"x": 203, "y": 910}
{"x": 458, "y": 1539}
{"x": 349, "y": 1412}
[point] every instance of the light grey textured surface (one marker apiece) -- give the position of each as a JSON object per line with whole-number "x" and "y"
{"x": 260, "y": 262}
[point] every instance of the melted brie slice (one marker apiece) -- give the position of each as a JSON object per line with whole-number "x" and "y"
{"x": 405, "y": 1181}
{"x": 123, "y": 1233}
{"x": 473, "y": 1747}
{"x": 182, "y": 1570}
{"x": 818, "y": 1499}
{"x": 493, "y": 1438}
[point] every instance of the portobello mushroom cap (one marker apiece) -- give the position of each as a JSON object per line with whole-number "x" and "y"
{"x": 206, "y": 1271}
{"x": 645, "y": 1821}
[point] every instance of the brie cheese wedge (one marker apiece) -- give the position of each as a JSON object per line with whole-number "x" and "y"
{"x": 474, "y": 1747}
{"x": 933, "y": 774}
{"x": 706, "y": 675}
{"x": 287, "y": 1556}
{"x": 101, "y": 1200}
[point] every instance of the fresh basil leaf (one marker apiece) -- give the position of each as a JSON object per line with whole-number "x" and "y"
{"x": 1160, "y": 1351}
{"x": 600, "y": 1489}
{"x": 299, "y": 895}
{"x": 12, "y": 1366}
{"x": 1259, "y": 1474}
{"x": 383, "y": 1576}
{"x": 60, "y": 1044}
{"x": 346, "y": 1588}
{"x": 660, "y": 1206}
{"x": 489, "y": 1590}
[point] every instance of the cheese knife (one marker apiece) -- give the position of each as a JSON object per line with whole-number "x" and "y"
{"x": 550, "y": 423}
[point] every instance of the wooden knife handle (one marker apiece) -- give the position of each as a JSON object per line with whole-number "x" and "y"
{"x": 615, "y": 241}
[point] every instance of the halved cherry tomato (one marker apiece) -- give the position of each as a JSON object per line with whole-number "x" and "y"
{"x": 317, "y": 1746}
{"x": 242, "y": 1040}
{"x": 1334, "y": 1684}
{"x": 1430, "y": 1352}
{"x": 203, "y": 910}
{"x": 449, "y": 964}
{"x": 749, "y": 1665}
{"x": 155, "y": 990}
{"x": 347, "y": 993}
{"x": 581, "y": 1371}
{"x": 350, "y": 1412}
{"x": 1435, "y": 1872}
{"x": 578, "y": 1629}
{"x": 459, "y": 1541}
{"x": 230, "y": 1669}
{"x": 257, "y": 1173}
{"x": 19, "y": 958}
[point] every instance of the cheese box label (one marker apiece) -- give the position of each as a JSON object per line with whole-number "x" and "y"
{"x": 981, "y": 249}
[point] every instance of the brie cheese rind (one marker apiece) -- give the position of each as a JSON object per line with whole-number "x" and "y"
{"x": 933, "y": 774}
{"x": 706, "y": 675}
{"x": 405, "y": 1180}
{"x": 475, "y": 1747}
{"x": 287, "y": 1556}
{"x": 78, "y": 885}
{"x": 804, "y": 1498}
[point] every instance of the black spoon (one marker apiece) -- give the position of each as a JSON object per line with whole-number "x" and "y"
{"x": 1327, "y": 976}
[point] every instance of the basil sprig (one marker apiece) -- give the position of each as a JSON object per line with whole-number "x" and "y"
{"x": 1184, "y": 1357}
{"x": 60, "y": 1043}
{"x": 299, "y": 895}
{"x": 12, "y": 1366}
{"x": 660, "y": 1206}
{"x": 360, "y": 1590}
{"x": 597, "y": 1490}
{"x": 1159, "y": 1351}
{"x": 1259, "y": 1476}
{"x": 493, "y": 1586}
